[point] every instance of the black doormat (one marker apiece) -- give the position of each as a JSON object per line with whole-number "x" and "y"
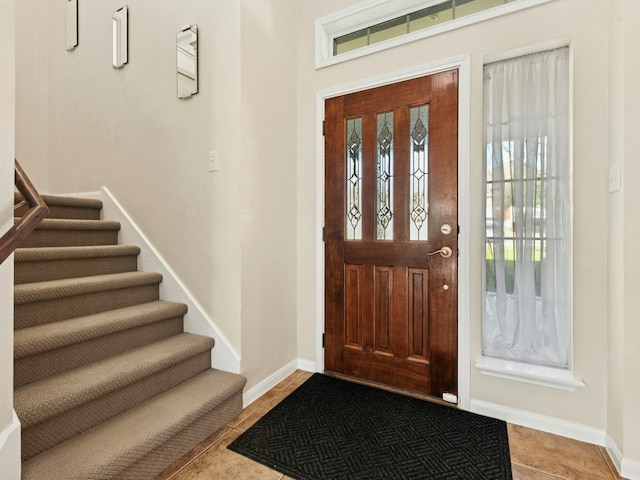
{"x": 330, "y": 429}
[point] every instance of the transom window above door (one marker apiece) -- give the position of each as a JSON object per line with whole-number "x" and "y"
{"x": 376, "y": 25}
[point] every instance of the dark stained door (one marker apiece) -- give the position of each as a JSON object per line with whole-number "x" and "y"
{"x": 390, "y": 216}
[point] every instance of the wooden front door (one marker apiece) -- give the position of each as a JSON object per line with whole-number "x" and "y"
{"x": 391, "y": 234}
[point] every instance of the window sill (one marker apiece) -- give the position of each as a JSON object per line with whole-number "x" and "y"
{"x": 557, "y": 378}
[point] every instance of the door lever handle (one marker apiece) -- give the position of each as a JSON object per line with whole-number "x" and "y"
{"x": 445, "y": 252}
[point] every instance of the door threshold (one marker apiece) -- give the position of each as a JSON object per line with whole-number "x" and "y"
{"x": 390, "y": 388}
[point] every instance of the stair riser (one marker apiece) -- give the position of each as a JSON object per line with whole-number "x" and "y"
{"x": 69, "y": 238}
{"x": 60, "y": 211}
{"x": 27, "y": 272}
{"x": 49, "y": 363}
{"x": 39, "y": 437}
{"x": 181, "y": 443}
{"x": 47, "y": 311}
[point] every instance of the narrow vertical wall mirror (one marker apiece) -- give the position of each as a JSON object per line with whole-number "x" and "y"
{"x": 120, "y": 37}
{"x": 71, "y": 24}
{"x": 187, "y": 61}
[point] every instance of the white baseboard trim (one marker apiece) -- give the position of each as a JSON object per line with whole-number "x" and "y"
{"x": 268, "y": 383}
{"x": 272, "y": 380}
{"x": 10, "y": 450}
{"x": 544, "y": 423}
{"x": 196, "y": 320}
{"x": 630, "y": 470}
{"x": 307, "y": 365}
{"x": 626, "y": 468}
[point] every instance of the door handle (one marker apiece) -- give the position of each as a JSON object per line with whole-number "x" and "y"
{"x": 445, "y": 252}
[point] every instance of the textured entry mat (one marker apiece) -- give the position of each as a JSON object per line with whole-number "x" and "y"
{"x": 333, "y": 429}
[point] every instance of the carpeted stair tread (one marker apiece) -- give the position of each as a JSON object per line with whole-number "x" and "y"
{"x": 109, "y": 450}
{"x": 43, "y": 254}
{"x": 59, "y": 200}
{"x": 75, "y": 224}
{"x": 82, "y": 340}
{"x": 66, "y": 232}
{"x": 55, "y": 263}
{"x": 38, "y": 401}
{"x": 54, "y": 289}
{"x": 41, "y": 338}
{"x": 66, "y": 207}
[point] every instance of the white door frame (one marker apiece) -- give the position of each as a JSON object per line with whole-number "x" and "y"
{"x": 463, "y": 64}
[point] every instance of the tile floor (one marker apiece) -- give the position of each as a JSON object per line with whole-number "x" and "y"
{"x": 534, "y": 455}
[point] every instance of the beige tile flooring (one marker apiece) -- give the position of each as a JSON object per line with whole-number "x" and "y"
{"x": 534, "y": 455}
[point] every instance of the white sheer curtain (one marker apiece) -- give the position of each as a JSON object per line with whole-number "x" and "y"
{"x": 527, "y": 303}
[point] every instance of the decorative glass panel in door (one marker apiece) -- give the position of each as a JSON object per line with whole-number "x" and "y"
{"x": 384, "y": 190}
{"x": 419, "y": 172}
{"x": 354, "y": 179}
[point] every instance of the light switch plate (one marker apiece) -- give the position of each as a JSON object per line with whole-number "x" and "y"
{"x": 615, "y": 181}
{"x": 214, "y": 161}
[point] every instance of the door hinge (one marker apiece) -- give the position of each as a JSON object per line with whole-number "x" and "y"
{"x": 323, "y": 127}
{"x": 323, "y": 340}
{"x": 323, "y": 233}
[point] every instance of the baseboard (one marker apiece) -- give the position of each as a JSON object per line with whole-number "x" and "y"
{"x": 223, "y": 355}
{"x": 272, "y": 380}
{"x": 544, "y": 423}
{"x": 626, "y": 468}
{"x": 10, "y": 450}
{"x": 307, "y": 365}
{"x": 630, "y": 470}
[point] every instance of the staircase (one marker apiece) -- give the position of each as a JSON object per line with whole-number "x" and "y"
{"x": 107, "y": 385}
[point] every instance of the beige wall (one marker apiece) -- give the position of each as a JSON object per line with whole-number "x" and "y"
{"x": 229, "y": 235}
{"x": 630, "y": 350}
{"x": 588, "y": 34}
{"x": 32, "y": 89}
{"x": 125, "y": 129}
{"x": 267, "y": 185}
{"x": 615, "y": 250}
{"x": 623, "y": 412}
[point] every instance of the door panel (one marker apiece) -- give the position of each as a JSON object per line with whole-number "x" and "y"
{"x": 391, "y": 183}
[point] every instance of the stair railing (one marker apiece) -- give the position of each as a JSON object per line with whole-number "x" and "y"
{"x": 30, "y": 220}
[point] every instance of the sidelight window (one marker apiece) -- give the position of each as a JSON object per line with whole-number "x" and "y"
{"x": 527, "y": 269}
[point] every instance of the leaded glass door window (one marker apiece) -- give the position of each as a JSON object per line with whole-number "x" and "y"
{"x": 416, "y": 161}
{"x": 384, "y": 170}
{"x": 418, "y": 172}
{"x": 354, "y": 179}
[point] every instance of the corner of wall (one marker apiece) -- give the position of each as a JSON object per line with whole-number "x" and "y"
{"x": 626, "y": 468}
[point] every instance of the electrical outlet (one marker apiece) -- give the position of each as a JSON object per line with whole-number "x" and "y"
{"x": 214, "y": 164}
